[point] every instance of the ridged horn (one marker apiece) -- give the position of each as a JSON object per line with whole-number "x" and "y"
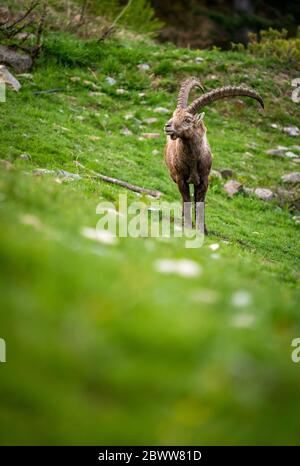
{"x": 185, "y": 90}
{"x": 222, "y": 93}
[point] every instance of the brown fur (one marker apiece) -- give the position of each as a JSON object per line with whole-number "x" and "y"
{"x": 187, "y": 152}
{"x": 189, "y": 159}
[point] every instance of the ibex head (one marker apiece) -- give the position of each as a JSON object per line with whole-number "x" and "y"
{"x": 183, "y": 123}
{"x": 185, "y": 119}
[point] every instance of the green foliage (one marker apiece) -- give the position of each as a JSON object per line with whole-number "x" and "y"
{"x": 164, "y": 68}
{"x": 67, "y": 49}
{"x": 139, "y": 16}
{"x": 273, "y": 44}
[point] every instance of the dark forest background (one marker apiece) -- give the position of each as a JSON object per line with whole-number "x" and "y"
{"x": 202, "y": 23}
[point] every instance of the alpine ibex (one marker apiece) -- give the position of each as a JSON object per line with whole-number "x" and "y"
{"x": 187, "y": 152}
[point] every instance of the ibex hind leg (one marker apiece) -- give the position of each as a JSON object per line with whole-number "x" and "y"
{"x": 186, "y": 203}
{"x": 199, "y": 199}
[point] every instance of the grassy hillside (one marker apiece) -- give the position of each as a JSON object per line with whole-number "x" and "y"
{"x": 101, "y": 346}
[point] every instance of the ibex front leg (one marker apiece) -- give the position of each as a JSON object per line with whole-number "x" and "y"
{"x": 199, "y": 198}
{"x": 186, "y": 203}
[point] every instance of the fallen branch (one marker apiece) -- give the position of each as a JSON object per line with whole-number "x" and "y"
{"x": 50, "y": 91}
{"x": 124, "y": 184}
{"x": 37, "y": 47}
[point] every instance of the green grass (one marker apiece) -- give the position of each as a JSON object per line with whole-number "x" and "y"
{"x": 101, "y": 347}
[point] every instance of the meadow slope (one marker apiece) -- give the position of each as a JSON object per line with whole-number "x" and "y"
{"x": 101, "y": 346}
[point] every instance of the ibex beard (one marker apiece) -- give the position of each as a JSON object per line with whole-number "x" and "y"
{"x": 187, "y": 151}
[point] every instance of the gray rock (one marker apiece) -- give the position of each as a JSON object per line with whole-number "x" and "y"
{"x": 7, "y": 165}
{"x": 43, "y": 171}
{"x": 150, "y": 121}
{"x": 68, "y": 175}
{"x": 291, "y": 155}
{"x": 25, "y": 75}
{"x": 279, "y": 151}
{"x": 215, "y": 175}
{"x": 226, "y": 172}
{"x": 61, "y": 173}
{"x": 151, "y": 135}
{"x": 286, "y": 196}
{"x": 292, "y": 130}
{"x": 282, "y": 151}
{"x": 21, "y": 63}
{"x": 24, "y": 157}
{"x": 129, "y": 116}
{"x": 8, "y": 78}
{"x": 296, "y": 219}
{"x": 198, "y": 60}
{"x": 249, "y": 191}
{"x": 144, "y": 67}
{"x": 25, "y": 36}
{"x": 4, "y": 14}
{"x": 126, "y": 132}
{"x": 110, "y": 81}
{"x": 95, "y": 94}
{"x": 161, "y": 110}
{"x": 233, "y": 187}
{"x": 264, "y": 194}
{"x": 291, "y": 177}
{"x": 297, "y": 148}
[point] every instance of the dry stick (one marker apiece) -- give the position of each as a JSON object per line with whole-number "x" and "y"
{"x": 33, "y": 5}
{"x": 82, "y": 13}
{"x": 111, "y": 28}
{"x": 14, "y": 32}
{"x": 37, "y": 47}
{"x": 124, "y": 184}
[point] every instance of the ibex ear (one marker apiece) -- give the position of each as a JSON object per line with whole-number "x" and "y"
{"x": 200, "y": 117}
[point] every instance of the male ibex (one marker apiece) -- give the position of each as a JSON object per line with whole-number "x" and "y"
{"x": 187, "y": 152}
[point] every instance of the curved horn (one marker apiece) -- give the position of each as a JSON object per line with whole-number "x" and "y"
{"x": 222, "y": 93}
{"x": 185, "y": 90}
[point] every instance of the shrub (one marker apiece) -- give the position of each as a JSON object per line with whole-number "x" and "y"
{"x": 67, "y": 49}
{"x": 273, "y": 44}
{"x": 138, "y": 16}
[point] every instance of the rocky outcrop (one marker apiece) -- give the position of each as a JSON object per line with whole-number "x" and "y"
{"x": 21, "y": 63}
